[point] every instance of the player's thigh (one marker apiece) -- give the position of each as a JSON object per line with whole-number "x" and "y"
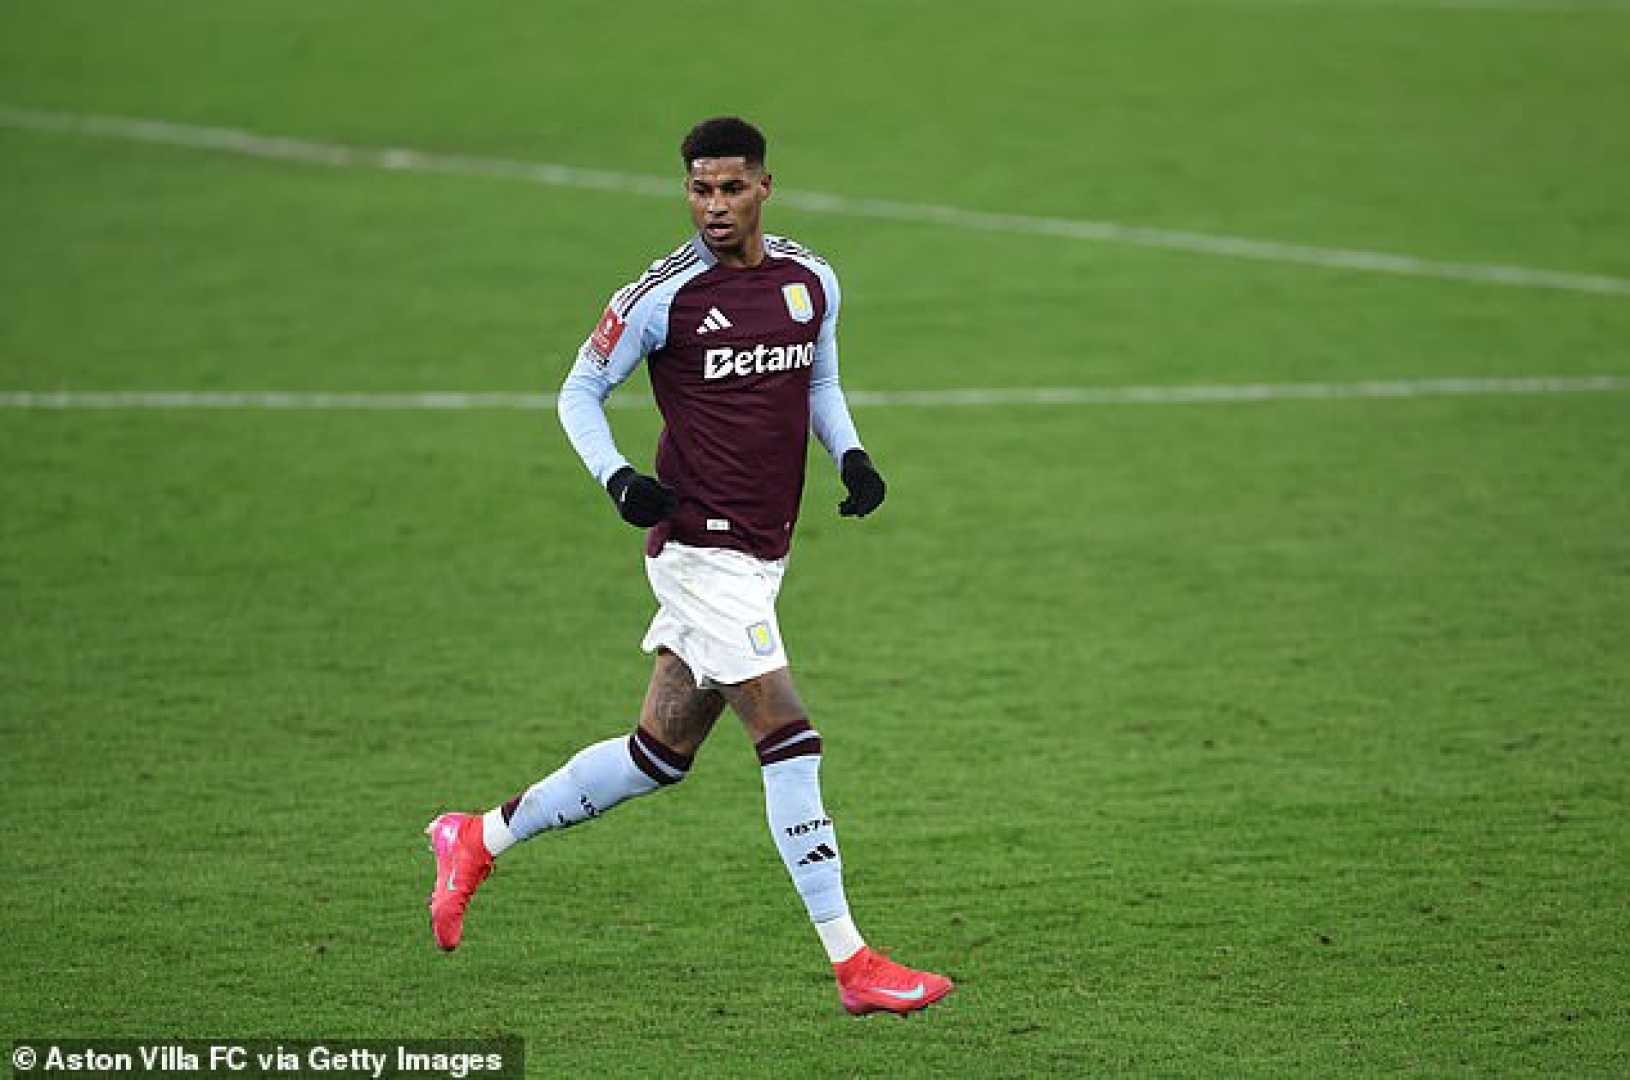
{"x": 767, "y": 703}
{"x": 676, "y": 711}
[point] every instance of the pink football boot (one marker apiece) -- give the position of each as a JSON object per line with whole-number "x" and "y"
{"x": 462, "y": 864}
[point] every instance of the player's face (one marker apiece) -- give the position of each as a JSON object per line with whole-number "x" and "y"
{"x": 726, "y": 203}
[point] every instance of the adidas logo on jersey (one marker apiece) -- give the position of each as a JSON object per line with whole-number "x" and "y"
{"x": 719, "y": 363}
{"x": 715, "y": 321}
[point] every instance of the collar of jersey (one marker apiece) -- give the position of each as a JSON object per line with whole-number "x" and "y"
{"x": 709, "y": 259}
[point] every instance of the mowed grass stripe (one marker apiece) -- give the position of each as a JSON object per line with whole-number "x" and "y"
{"x": 453, "y": 400}
{"x": 401, "y": 159}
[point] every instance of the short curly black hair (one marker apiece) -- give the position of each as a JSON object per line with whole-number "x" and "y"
{"x": 723, "y": 136}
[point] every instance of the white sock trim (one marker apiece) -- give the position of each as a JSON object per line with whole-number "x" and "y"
{"x": 495, "y": 832}
{"x": 840, "y": 937}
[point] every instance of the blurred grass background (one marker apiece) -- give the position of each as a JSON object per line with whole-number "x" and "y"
{"x": 1267, "y": 739}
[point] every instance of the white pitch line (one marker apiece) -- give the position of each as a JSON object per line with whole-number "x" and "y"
{"x": 459, "y": 401}
{"x": 338, "y": 155}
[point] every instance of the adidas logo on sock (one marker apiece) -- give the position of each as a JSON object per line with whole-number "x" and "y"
{"x": 819, "y": 854}
{"x": 715, "y": 321}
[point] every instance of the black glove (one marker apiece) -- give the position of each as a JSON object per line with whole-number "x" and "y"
{"x": 864, "y": 482}
{"x": 641, "y": 500}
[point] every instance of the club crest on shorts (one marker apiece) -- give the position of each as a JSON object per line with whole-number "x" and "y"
{"x": 799, "y": 305}
{"x": 763, "y": 640}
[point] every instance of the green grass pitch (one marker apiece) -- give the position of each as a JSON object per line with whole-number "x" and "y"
{"x": 1280, "y": 738}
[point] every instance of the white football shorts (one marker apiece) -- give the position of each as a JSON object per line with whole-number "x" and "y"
{"x": 716, "y": 612}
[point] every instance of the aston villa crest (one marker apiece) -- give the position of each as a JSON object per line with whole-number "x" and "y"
{"x": 799, "y": 305}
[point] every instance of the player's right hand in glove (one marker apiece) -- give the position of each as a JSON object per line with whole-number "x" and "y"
{"x": 865, "y": 484}
{"x": 641, "y": 500}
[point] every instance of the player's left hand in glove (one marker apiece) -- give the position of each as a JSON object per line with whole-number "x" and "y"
{"x": 641, "y": 500}
{"x": 865, "y": 484}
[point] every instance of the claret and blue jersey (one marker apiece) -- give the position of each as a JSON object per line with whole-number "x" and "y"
{"x": 744, "y": 364}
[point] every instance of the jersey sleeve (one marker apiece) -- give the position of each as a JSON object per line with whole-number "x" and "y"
{"x": 621, "y": 339}
{"x": 828, "y": 409}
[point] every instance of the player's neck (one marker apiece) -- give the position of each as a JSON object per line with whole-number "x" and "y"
{"x": 745, "y": 257}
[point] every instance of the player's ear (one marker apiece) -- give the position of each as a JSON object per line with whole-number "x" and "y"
{"x": 764, "y": 184}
